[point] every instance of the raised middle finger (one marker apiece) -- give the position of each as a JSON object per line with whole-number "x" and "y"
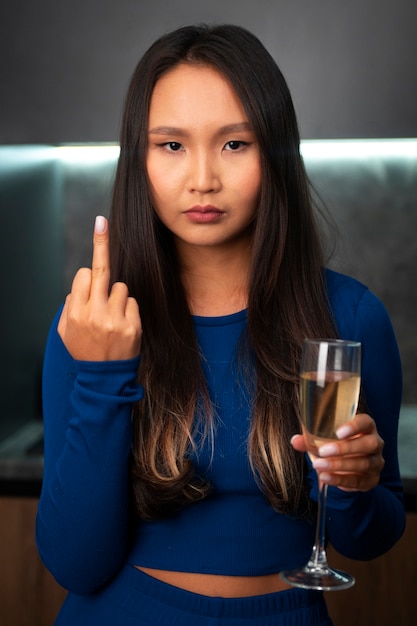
{"x": 100, "y": 267}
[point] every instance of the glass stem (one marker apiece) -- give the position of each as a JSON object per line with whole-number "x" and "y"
{"x": 318, "y": 557}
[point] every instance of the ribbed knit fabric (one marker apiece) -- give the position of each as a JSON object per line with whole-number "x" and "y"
{"x": 135, "y": 599}
{"x": 240, "y": 533}
{"x": 82, "y": 525}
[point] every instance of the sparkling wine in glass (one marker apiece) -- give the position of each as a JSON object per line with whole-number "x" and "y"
{"x": 329, "y": 394}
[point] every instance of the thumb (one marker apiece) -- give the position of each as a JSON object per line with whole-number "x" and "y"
{"x": 298, "y": 442}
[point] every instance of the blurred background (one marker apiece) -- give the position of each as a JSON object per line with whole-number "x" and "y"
{"x": 64, "y": 70}
{"x": 64, "y": 66}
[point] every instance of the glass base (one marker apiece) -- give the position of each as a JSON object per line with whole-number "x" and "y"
{"x": 318, "y": 578}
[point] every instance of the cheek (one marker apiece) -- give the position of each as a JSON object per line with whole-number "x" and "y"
{"x": 157, "y": 187}
{"x": 251, "y": 184}
{"x": 164, "y": 182}
{"x": 152, "y": 177}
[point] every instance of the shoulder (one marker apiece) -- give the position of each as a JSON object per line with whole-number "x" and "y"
{"x": 341, "y": 287}
{"x": 354, "y": 306}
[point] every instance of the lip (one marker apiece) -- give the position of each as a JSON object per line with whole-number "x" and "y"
{"x": 204, "y": 214}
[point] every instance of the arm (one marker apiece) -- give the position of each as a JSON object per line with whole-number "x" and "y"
{"x": 82, "y": 521}
{"x": 89, "y": 387}
{"x": 365, "y": 512}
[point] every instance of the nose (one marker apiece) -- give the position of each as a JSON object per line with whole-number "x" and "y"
{"x": 204, "y": 174}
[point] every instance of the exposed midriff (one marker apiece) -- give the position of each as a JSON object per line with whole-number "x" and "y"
{"x": 218, "y": 585}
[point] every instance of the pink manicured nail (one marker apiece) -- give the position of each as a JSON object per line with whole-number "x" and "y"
{"x": 325, "y": 478}
{"x": 100, "y": 225}
{"x": 319, "y": 464}
{"x": 329, "y": 449}
{"x": 343, "y": 432}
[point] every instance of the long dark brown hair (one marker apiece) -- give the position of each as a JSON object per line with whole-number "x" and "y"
{"x": 287, "y": 295}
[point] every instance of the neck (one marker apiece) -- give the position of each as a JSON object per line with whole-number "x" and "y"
{"x": 216, "y": 280}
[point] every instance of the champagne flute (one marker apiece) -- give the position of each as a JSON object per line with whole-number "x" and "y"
{"x": 329, "y": 394}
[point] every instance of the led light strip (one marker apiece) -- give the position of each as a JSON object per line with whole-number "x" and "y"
{"x": 327, "y": 149}
{"x": 88, "y": 153}
{"x": 358, "y": 149}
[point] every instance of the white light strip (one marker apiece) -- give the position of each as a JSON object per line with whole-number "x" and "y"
{"x": 88, "y": 153}
{"x": 358, "y": 149}
{"x": 327, "y": 149}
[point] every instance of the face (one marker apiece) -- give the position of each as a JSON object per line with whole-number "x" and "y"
{"x": 203, "y": 159}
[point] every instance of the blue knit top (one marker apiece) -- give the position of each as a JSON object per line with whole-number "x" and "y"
{"x": 83, "y": 531}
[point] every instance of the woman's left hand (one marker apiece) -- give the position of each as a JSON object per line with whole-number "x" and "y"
{"x": 354, "y": 461}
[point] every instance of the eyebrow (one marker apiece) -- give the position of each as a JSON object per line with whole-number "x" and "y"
{"x": 181, "y": 132}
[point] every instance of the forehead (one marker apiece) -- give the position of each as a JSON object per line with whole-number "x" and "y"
{"x": 194, "y": 94}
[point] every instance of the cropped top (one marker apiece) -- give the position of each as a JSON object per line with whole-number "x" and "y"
{"x": 82, "y": 530}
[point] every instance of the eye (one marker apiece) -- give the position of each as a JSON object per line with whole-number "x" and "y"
{"x": 172, "y": 146}
{"x": 236, "y": 145}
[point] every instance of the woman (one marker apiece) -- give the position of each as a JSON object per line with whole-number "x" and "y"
{"x": 172, "y": 493}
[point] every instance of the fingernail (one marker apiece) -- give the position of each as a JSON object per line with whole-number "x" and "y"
{"x": 321, "y": 464}
{"x": 100, "y": 225}
{"x": 325, "y": 478}
{"x": 329, "y": 449}
{"x": 343, "y": 432}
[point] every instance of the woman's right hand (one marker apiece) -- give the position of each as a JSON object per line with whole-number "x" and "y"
{"x": 96, "y": 325}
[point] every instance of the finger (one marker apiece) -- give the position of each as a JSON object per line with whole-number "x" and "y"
{"x": 361, "y": 423}
{"x": 350, "y": 481}
{"x": 355, "y": 465}
{"x": 125, "y": 311}
{"x": 133, "y": 318}
{"x": 100, "y": 268}
{"x": 361, "y": 445}
{"x": 62, "y": 323}
{"x": 118, "y": 298}
{"x": 298, "y": 443}
{"x": 123, "y": 305}
{"x": 75, "y": 301}
{"x": 81, "y": 286}
{"x": 132, "y": 314}
{"x": 120, "y": 301}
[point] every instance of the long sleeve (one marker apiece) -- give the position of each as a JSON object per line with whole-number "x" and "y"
{"x": 365, "y": 525}
{"x": 82, "y": 521}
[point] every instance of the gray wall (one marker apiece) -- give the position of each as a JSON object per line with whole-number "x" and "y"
{"x": 64, "y": 65}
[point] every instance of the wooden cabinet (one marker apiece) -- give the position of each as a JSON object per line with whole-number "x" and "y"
{"x": 384, "y": 594}
{"x": 29, "y": 596}
{"x": 385, "y": 590}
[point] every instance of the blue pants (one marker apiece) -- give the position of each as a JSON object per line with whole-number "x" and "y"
{"x": 136, "y": 599}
